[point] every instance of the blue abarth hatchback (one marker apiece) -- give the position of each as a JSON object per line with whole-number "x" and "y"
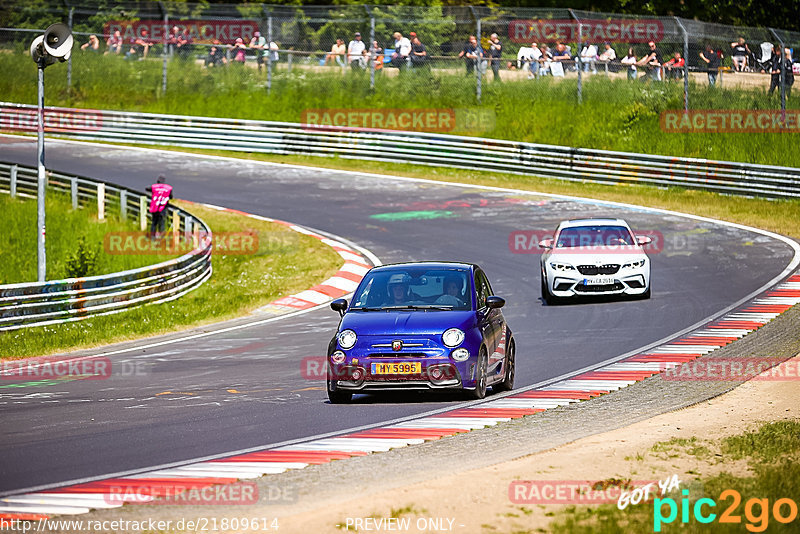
{"x": 424, "y": 325}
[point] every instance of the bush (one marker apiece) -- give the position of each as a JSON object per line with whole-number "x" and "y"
{"x": 83, "y": 261}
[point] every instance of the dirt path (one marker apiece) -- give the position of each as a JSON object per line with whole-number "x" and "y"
{"x": 478, "y": 500}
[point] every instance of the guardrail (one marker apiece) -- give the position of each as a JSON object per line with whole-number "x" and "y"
{"x": 59, "y": 301}
{"x": 577, "y": 164}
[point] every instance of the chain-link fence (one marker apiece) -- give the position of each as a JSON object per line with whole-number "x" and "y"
{"x": 460, "y": 55}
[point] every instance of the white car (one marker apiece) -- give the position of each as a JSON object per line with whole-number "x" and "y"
{"x": 594, "y": 257}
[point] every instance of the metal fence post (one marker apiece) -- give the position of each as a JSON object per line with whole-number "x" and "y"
{"x": 479, "y": 61}
{"x": 142, "y": 213}
{"x": 73, "y": 191}
{"x": 123, "y": 205}
{"x": 782, "y": 75}
{"x": 371, "y": 50}
{"x": 685, "y": 64}
{"x": 69, "y": 61}
{"x": 578, "y": 61}
{"x": 165, "y": 52}
{"x": 13, "y": 173}
{"x": 101, "y": 201}
{"x": 269, "y": 53}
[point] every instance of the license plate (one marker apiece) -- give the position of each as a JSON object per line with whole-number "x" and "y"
{"x": 598, "y": 281}
{"x": 402, "y": 368}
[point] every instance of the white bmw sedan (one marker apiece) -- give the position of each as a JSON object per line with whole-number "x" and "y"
{"x": 594, "y": 257}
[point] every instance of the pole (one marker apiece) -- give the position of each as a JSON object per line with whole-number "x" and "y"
{"x": 42, "y": 182}
{"x": 480, "y": 62}
{"x": 69, "y": 61}
{"x": 165, "y": 52}
{"x": 372, "y": 54}
{"x": 578, "y": 56}
{"x": 269, "y": 53}
{"x": 685, "y": 65}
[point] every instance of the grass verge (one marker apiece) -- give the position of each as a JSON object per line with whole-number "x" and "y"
{"x": 286, "y": 262}
{"x": 771, "y": 473}
{"x": 614, "y": 115}
{"x": 65, "y": 228}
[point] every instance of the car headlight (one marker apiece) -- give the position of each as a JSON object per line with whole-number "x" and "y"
{"x": 562, "y": 266}
{"x": 634, "y": 264}
{"x": 347, "y": 339}
{"x": 460, "y": 355}
{"x": 337, "y": 357}
{"x": 453, "y": 337}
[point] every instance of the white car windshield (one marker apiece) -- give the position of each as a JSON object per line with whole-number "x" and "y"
{"x": 594, "y": 236}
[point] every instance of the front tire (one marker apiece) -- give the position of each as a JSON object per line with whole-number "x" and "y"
{"x": 336, "y": 395}
{"x": 508, "y": 381}
{"x": 480, "y": 377}
{"x": 549, "y": 299}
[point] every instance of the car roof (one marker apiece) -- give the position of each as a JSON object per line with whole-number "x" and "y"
{"x": 599, "y": 221}
{"x": 425, "y": 265}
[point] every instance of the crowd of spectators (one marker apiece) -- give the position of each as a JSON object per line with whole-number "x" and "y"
{"x": 538, "y": 59}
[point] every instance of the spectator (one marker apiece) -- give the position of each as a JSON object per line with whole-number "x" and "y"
{"x": 739, "y": 55}
{"x": 471, "y": 54}
{"x": 711, "y": 59}
{"x": 589, "y": 57}
{"x": 92, "y": 45}
{"x": 273, "y": 51}
{"x": 419, "y": 54}
{"x": 495, "y": 52}
{"x": 179, "y": 42}
{"x": 608, "y": 54}
{"x": 258, "y": 43}
{"x": 215, "y": 55}
{"x": 652, "y": 60}
{"x": 778, "y": 67}
{"x": 545, "y": 57}
{"x": 161, "y": 193}
{"x": 630, "y": 61}
{"x": 239, "y": 52}
{"x": 114, "y": 43}
{"x": 561, "y": 53}
{"x": 402, "y": 50}
{"x": 143, "y": 43}
{"x": 674, "y": 67}
{"x": 356, "y": 53}
{"x": 377, "y": 53}
{"x": 533, "y": 58}
{"x": 337, "y": 53}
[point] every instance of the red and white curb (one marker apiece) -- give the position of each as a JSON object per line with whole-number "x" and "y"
{"x": 340, "y": 284}
{"x": 145, "y": 487}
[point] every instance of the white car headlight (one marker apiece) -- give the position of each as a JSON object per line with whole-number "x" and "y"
{"x": 453, "y": 337}
{"x": 634, "y": 264}
{"x": 562, "y": 266}
{"x": 337, "y": 357}
{"x": 347, "y": 339}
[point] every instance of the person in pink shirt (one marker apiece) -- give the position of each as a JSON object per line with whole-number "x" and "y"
{"x": 161, "y": 193}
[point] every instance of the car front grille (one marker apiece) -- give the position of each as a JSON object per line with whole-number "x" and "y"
{"x": 397, "y": 355}
{"x": 590, "y": 270}
{"x": 599, "y": 288}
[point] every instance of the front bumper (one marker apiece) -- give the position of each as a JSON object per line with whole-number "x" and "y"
{"x": 573, "y": 283}
{"x": 359, "y": 377}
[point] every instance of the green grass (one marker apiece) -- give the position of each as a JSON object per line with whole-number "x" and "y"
{"x": 64, "y": 227}
{"x": 615, "y": 114}
{"x": 286, "y": 262}
{"x": 772, "y": 451}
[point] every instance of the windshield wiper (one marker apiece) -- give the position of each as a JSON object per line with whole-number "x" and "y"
{"x": 367, "y": 308}
{"x": 419, "y": 307}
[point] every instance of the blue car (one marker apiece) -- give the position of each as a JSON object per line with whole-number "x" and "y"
{"x": 424, "y": 325}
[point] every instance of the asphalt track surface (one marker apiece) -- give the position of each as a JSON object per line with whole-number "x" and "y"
{"x": 244, "y": 388}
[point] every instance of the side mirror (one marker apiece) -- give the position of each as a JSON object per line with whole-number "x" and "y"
{"x": 495, "y": 302}
{"x": 546, "y": 243}
{"x": 339, "y": 305}
{"x": 643, "y": 240}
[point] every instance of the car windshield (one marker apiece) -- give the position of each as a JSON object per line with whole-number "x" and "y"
{"x": 414, "y": 288}
{"x": 594, "y": 236}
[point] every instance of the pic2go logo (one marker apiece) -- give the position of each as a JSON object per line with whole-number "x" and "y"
{"x": 756, "y": 511}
